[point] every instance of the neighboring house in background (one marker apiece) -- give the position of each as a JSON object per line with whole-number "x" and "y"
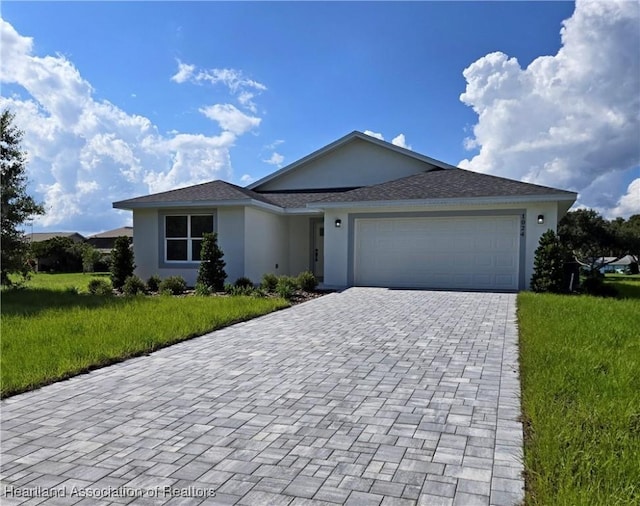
{"x": 359, "y": 211}
{"x": 45, "y": 236}
{"x": 105, "y": 241}
{"x": 48, "y": 261}
{"x": 615, "y": 264}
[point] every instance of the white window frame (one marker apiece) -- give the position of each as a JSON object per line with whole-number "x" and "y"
{"x": 188, "y": 237}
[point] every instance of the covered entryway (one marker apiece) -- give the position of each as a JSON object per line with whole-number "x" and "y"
{"x": 447, "y": 252}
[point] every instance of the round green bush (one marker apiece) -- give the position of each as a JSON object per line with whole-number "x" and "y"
{"x": 307, "y": 281}
{"x": 176, "y": 285}
{"x": 286, "y": 287}
{"x": 269, "y": 282}
{"x": 133, "y": 285}
{"x": 243, "y": 283}
{"x": 153, "y": 283}
{"x": 99, "y": 287}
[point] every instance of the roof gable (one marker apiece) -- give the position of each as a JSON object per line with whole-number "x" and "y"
{"x": 355, "y": 160}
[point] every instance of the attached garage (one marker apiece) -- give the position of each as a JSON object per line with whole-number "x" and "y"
{"x": 446, "y": 252}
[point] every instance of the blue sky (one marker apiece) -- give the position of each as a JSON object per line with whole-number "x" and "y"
{"x": 120, "y": 99}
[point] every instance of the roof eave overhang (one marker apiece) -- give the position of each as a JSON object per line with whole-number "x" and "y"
{"x": 444, "y": 201}
{"x": 184, "y": 204}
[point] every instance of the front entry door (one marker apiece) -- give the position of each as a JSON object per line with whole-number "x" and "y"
{"x": 317, "y": 250}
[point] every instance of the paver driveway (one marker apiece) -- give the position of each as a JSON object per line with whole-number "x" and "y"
{"x": 369, "y": 396}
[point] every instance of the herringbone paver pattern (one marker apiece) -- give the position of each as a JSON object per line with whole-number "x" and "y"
{"x": 369, "y": 396}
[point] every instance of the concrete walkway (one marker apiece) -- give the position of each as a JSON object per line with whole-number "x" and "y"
{"x": 369, "y": 396}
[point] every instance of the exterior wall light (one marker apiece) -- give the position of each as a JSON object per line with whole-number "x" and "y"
{"x": 338, "y": 223}
{"x": 540, "y": 219}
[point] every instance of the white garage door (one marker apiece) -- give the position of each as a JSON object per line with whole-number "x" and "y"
{"x": 462, "y": 252}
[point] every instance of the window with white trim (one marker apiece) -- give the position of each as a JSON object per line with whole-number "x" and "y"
{"x": 183, "y": 236}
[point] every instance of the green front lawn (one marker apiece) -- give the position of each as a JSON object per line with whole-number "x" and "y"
{"x": 53, "y": 333}
{"x": 71, "y": 281}
{"x": 580, "y": 366}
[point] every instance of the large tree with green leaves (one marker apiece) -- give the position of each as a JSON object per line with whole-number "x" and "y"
{"x": 17, "y": 206}
{"x": 590, "y": 238}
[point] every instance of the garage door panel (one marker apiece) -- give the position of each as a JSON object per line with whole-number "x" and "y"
{"x": 445, "y": 252}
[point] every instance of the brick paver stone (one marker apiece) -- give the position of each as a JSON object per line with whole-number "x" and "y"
{"x": 368, "y": 396}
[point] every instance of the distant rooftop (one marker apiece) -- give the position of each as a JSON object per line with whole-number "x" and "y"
{"x": 45, "y": 236}
{"x": 116, "y": 232}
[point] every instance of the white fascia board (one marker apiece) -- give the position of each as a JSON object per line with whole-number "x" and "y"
{"x": 302, "y": 211}
{"x": 442, "y": 202}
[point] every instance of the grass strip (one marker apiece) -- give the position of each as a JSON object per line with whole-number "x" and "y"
{"x": 48, "y": 335}
{"x": 580, "y": 367}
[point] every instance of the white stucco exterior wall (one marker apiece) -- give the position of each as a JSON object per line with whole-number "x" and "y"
{"x": 145, "y": 242}
{"x": 358, "y": 163}
{"x": 336, "y": 266}
{"x": 231, "y": 239}
{"x": 266, "y": 244}
{"x": 534, "y": 230}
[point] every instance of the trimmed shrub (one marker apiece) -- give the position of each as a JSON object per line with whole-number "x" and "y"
{"x": 548, "y": 265}
{"x": 211, "y": 271}
{"x": 153, "y": 283}
{"x": 307, "y": 281}
{"x": 133, "y": 285}
{"x": 202, "y": 290}
{"x": 269, "y": 282}
{"x": 286, "y": 287}
{"x": 99, "y": 287}
{"x": 238, "y": 290}
{"x": 122, "y": 265}
{"x": 244, "y": 283}
{"x": 175, "y": 285}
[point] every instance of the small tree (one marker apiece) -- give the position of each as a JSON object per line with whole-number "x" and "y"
{"x": 17, "y": 206}
{"x": 90, "y": 257}
{"x": 548, "y": 265}
{"x": 211, "y": 272}
{"x": 122, "y": 264}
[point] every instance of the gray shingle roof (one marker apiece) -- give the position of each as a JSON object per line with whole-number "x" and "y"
{"x": 299, "y": 199}
{"x": 205, "y": 192}
{"x": 445, "y": 183}
{"x": 434, "y": 184}
{"x": 116, "y": 232}
{"x": 45, "y": 236}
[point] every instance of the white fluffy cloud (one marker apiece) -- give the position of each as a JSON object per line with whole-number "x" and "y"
{"x": 399, "y": 140}
{"x": 230, "y": 118}
{"x": 376, "y": 135}
{"x": 569, "y": 120}
{"x": 244, "y": 88}
{"x": 85, "y": 153}
{"x": 276, "y": 159}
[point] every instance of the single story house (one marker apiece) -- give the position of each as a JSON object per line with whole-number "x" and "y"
{"x": 105, "y": 241}
{"x": 357, "y": 212}
{"x": 45, "y": 236}
{"x": 615, "y": 264}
